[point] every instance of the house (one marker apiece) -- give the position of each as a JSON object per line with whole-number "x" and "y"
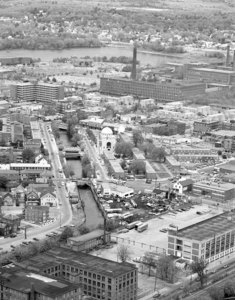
{"x": 183, "y": 186}
{"x": 9, "y": 224}
{"x": 32, "y": 197}
{"x": 48, "y": 198}
{"x": 19, "y": 193}
{"x": 8, "y": 199}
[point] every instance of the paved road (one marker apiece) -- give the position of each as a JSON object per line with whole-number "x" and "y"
{"x": 64, "y": 209}
{"x": 95, "y": 158}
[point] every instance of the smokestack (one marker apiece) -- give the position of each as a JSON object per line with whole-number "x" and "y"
{"x": 227, "y": 56}
{"x": 133, "y": 71}
{"x": 233, "y": 60}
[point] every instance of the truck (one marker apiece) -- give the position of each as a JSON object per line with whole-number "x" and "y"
{"x": 142, "y": 227}
{"x": 132, "y": 225}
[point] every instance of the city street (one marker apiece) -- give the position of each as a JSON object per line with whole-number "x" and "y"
{"x": 64, "y": 208}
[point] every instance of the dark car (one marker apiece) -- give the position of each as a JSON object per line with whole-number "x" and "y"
{"x": 13, "y": 235}
{"x": 149, "y": 181}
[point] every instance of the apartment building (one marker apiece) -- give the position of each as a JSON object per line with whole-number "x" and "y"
{"x": 218, "y": 192}
{"x": 100, "y": 278}
{"x": 210, "y": 239}
{"x": 160, "y": 91}
{"x": 19, "y": 283}
{"x": 40, "y": 92}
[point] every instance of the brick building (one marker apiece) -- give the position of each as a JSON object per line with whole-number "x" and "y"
{"x": 160, "y": 91}
{"x": 37, "y": 214}
{"x": 100, "y": 278}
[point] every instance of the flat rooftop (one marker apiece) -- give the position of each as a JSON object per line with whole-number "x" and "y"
{"x": 79, "y": 259}
{"x": 89, "y": 236}
{"x": 228, "y": 133}
{"x": 207, "y": 229}
{"x": 215, "y": 70}
{"x": 21, "y": 279}
{"x": 215, "y": 186}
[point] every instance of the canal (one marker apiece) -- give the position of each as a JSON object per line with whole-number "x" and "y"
{"x": 93, "y": 215}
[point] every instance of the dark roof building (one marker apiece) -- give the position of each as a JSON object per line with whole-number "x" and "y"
{"x": 19, "y": 283}
{"x": 98, "y": 276}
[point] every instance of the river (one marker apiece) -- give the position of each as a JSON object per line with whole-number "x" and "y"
{"x": 93, "y": 215}
{"x": 47, "y": 55}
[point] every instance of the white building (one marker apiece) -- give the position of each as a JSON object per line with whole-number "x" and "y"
{"x": 107, "y": 140}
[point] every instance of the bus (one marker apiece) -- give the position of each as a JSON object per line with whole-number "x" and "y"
{"x": 127, "y": 216}
{"x": 142, "y": 227}
{"x": 133, "y": 203}
{"x": 138, "y": 224}
{"x": 132, "y": 225}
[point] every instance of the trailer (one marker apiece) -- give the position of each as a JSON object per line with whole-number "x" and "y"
{"x": 142, "y": 227}
{"x": 132, "y": 225}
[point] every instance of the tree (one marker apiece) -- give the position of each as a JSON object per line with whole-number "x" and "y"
{"x": 158, "y": 154}
{"x": 123, "y": 148}
{"x": 75, "y": 139}
{"x": 66, "y": 233}
{"x": 199, "y": 267}
{"x": 28, "y": 155}
{"x": 229, "y": 289}
{"x": 84, "y": 230}
{"x": 3, "y": 182}
{"x": 216, "y": 293}
{"x": 138, "y": 167}
{"x": 150, "y": 261}
{"x": 123, "y": 253}
{"x": 165, "y": 268}
{"x": 137, "y": 137}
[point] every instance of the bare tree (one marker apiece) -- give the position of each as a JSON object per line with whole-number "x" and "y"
{"x": 123, "y": 253}
{"x": 199, "y": 267}
{"x": 216, "y": 293}
{"x": 150, "y": 261}
{"x": 165, "y": 268}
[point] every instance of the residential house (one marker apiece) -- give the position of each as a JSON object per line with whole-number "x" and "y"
{"x": 32, "y": 197}
{"x": 183, "y": 186}
{"x": 48, "y": 198}
{"x": 8, "y": 199}
{"x": 19, "y": 193}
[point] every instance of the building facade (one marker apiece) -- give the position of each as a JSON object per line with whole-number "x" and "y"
{"x": 37, "y": 214}
{"x": 159, "y": 91}
{"x": 100, "y": 278}
{"x": 210, "y": 239}
{"x": 41, "y": 92}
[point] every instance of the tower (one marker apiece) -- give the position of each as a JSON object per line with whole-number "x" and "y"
{"x": 133, "y": 71}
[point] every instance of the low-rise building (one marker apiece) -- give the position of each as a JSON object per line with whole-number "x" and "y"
{"x": 210, "y": 239}
{"x": 89, "y": 241}
{"x": 218, "y": 192}
{"x": 9, "y": 224}
{"x": 149, "y": 171}
{"x": 183, "y": 186}
{"x": 19, "y": 283}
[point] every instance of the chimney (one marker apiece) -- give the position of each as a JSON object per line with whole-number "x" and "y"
{"x": 32, "y": 295}
{"x": 227, "y": 55}
{"x": 233, "y": 60}
{"x": 133, "y": 71}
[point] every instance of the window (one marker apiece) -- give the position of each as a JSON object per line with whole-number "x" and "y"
{"x": 103, "y": 278}
{"x": 89, "y": 274}
{"x": 109, "y": 280}
{"x": 94, "y": 276}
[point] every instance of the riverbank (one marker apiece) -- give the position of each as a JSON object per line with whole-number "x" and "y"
{"x": 127, "y": 45}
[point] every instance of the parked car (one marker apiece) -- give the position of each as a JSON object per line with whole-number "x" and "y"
{"x": 13, "y": 235}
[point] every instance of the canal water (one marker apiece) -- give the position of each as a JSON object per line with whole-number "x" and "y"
{"x": 93, "y": 215}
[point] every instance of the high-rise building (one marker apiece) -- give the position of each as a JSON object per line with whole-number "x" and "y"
{"x": 40, "y": 92}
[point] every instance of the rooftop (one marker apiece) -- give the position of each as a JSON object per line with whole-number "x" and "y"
{"x": 225, "y": 133}
{"x": 89, "y": 236}
{"x": 215, "y": 70}
{"x": 207, "y": 229}
{"x": 22, "y": 280}
{"x": 79, "y": 259}
{"x": 215, "y": 186}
